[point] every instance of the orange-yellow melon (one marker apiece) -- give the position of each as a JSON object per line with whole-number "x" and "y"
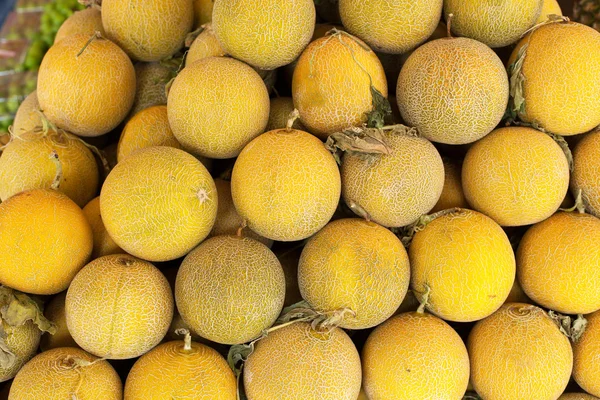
{"x": 586, "y": 172}
{"x": 88, "y": 22}
{"x": 586, "y": 368}
{"x": 279, "y": 115}
{"x": 550, "y": 7}
{"x": 103, "y": 243}
{"x": 452, "y": 194}
{"x": 22, "y": 341}
{"x": 577, "y": 396}
{"x": 151, "y": 80}
{"x": 55, "y": 312}
{"x": 202, "y": 12}
{"x": 205, "y": 45}
{"x": 517, "y": 295}
{"x": 27, "y": 117}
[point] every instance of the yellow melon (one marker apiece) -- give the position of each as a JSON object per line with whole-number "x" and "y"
{"x": 281, "y": 110}
{"x": 519, "y": 353}
{"x": 266, "y": 34}
{"x": 158, "y": 203}
{"x": 586, "y": 172}
{"x": 66, "y": 373}
{"x": 577, "y": 396}
{"x": 55, "y": 312}
{"x": 286, "y": 185}
{"x": 460, "y": 97}
{"x": 415, "y": 356}
{"x": 119, "y": 307}
{"x": 558, "y": 92}
{"x": 333, "y": 82}
{"x": 550, "y": 7}
{"x": 519, "y": 187}
{"x": 452, "y": 194}
{"x": 216, "y": 106}
{"x": 517, "y": 295}
{"x": 86, "y": 22}
{"x": 44, "y": 241}
{"x": 495, "y": 23}
{"x": 21, "y": 342}
{"x": 103, "y": 243}
{"x": 151, "y": 79}
{"x": 205, "y": 45}
{"x": 296, "y": 362}
{"x": 27, "y": 117}
{"x": 586, "y": 368}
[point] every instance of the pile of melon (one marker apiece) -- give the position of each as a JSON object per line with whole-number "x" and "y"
{"x": 306, "y": 200}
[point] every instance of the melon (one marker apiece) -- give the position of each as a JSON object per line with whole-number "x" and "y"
{"x": 204, "y": 45}
{"x": 66, "y": 373}
{"x": 586, "y": 368}
{"x": 519, "y": 187}
{"x": 202, "y": 12}
{"x": 460, "y": 97}
{"x": 550, "y": 7}
{"x": 266, "y": 34}
{"x": 216, "y": 106}
{"x": 103, "y": 243}
{"x": 44, "y": 241}
{"x": 28, "y": 115}
{"x": 119, "y": 307}
{"x": 452, "y": 194}
{"x": 517, "y": 295}
{"x": 280, "y": 113}
{"x": 297, "y": 362}
{"x": 519, "y": 353}
{"x": 415, "y": 356}
{"x": 87, "y": 22}
{"x": 586, "y": 172}
{"x": 55, "y": 312}
{"x": 151, "y": 80}
{"x": 286, "y": 185}
{"x": 159, "y": 203}
{"x": 577, "y": 396}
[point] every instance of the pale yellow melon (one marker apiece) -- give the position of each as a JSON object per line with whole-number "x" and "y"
{"x": 88, "y": 22}
{"x": 151, "y": 80}
{"x": 577, "y": 396}
{"x": 550, "y": 7}
{"x": 452, "y": 194}
{"x": 22, "y": 342}
{"x": 205, "y": 45}
{"x": 202, "y": 12}
{"x": 586, "y": 368}
{"x": 517, "y": 295}
{"x": 586, "y": 172}
{"x": 27, "y": 117}
{"x": 55, "y": 312}
{"x": 281, "y": 110}
{"x": 103, "y": 243}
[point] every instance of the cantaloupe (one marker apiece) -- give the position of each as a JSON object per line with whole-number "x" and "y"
{"x": 495, "y": 23}
{"x": 460, "y": 97}
{"x": 151, "y": 80}
{"x": 216, "y": 106}
{"x": 205, "y": 45}
{"x": 558, "y": 263}
{"x": 519, "y": 353}
{"x": 550, "y": 7}
{"x": 66, "y": 373}
{"x": 415, "y": 356}
{"x": 44, "y": 241}
{"x": 27, "y": 117}
{"x": 333, "y": 83}
{"x": 452, "y": 194}
{"x": 266, "y": 34}
{"x": 158, "y": 203}
{"x": 280, "y": 112}
{"x": 55, "y": 312}
{"x": 119, "y": 307}
{"x": 86, "y": 22}
{"x": 202, "y": 12}
{"x": 354, "y": 264}
{"x": 296, "y": 362}
{"x": 586, "y": 172}
{"x": 577, "y": 396}
{"x": 557, "y": 92}
{"x": 391, "y": 26}
{"x": 286, "y": 185}
{"x": 586, "y": 368}
{"x": 462, "y": 266}
{"x": 519, "y": 187}
{"x": 103, "y": 243}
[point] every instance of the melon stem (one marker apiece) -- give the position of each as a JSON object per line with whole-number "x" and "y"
{"x": 240, "y": 230}
{"x": 187, "y": 339}
{"x": 95, "y": 35}
{"x": 579, "y": 205}
{"x": 294, "y": 115}
{"x": 449, "y": 25}
{"x": 424, "y": 300}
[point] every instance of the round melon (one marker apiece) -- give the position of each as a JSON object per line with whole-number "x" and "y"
{"x": 87, "y": 22}
{"x": 151, "y": 79}
{"x": 202, "y": 12}
{"x": 522, "y": 186}
{"x": 358, "y": 265}
{"x": 103, "y": 243}
{"x": 27, "y": 117}
{"x": 216, "y": 106}
{"x": 286, "y": 185}
{"x": 281, "y": 110}
{"x": 119, "y": 307}
{"x": 78, "y": 78}
{"x": 495, "y": 23}
{"x": 586, "y": 368}
{"x": 297, "y": 362}
{"x": 66, "y": 373}
{"x": 55, "y": 312}
{"x": 550, "y": 7}
{"x": 158, "y": 203}
{"x": 577, "y": 396}
{"x": 22, "y": 342}
{"x": 415, "y": 356}
{"x": 266, "y": 34}
{"x": 460, "y": 97}
{"x": 452, "y": 194}
{"x": 519, "y": 353}
{"x": 44, "y": 241}
{"x": 586, "y": 172}
{"x": 205, "y": 45}
{"x": 517, "y": 295}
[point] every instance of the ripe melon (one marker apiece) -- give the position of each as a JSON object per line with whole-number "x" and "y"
{"x": 586, "y": 368}
{"x": 495, "y": 23}
{"x": 205, "y": 45}
{"x": 88, "y": 22}
{"x": 55, "y": 312}
{"x": 452, "y": 194}
{"x": 66, "y": 373}
{"x": 550, "y": 7}
{"x": 119, "y": 307}
{"x": 266, "y": 34}
{"x": 577, "y": 396}
{"x": 216, "y": 106}
{"x": 44, "y": 241}
{"x": 519, "y": 353}
{"x": 354, "y": 264}
{"x": 158, "y": 203}
{"x": 586, "y": 172}
{"x": 460, "y": 97}
{"x": 296, "y": 362}
{"x": 522, "y": 186}
{"x": 415, "y": 356}
{"x": 557, "y": 84}
{"x": 281, "y": 110}
{"x": 558, "y": 263}
{"x": 202, "y": 12}
{"x": 517, "y": 295}
{"x": 27, "y": 117}
{"x": 286, "y": 185}
{"x": 151, "y": 80}
{"x": 103, "y": 243}
{"x": 462, "y": 266}
{"x": 333, "y": 83}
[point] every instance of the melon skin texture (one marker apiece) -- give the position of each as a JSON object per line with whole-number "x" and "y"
{"x": 151, "y": 79}
{"x": 497, "y": 24}
{"x": 44, "y": 241}
{"x": 550, "y": 7}
{"x": 586, "y": 368}
{"x": 55, "y": 312}
{"x": 22, "y": 341}
{"x": 391, "y": 26}
{"x": 561, "y": 90}
{"x": 452, "y": 194}
{"x": 53, "y": 375}
{"x": 519, "y": 353}
{"x": 332, "y": 82}
{"x": 586, "y": 172}
{"x": 205, "y": 45}
{"x": 103, "y": 243}
{"x": 519, "y": 187}
{"x": 266, "y": 34}
{"x": 148, "y": 30}
{"x": 87, "y": 22}
{"x": 419, "y": 350}
{"x": 27, "y": 117}
{"x": 281, "y": 108}
{"x": 216, "y": 106}
{"x": 296, "y": 362}
{"x": 119, "y": 307}
{"x": 454, "y": 91}
{"x": 202, "y": 12}
{"x": 286, "y": 185}
{"x": 159, "y": 203}
{"x": 577, "y": 396}
{"x": 354, "y": 264}
{"x": 74, "y": 91}
{"x": 466, "y": 261}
